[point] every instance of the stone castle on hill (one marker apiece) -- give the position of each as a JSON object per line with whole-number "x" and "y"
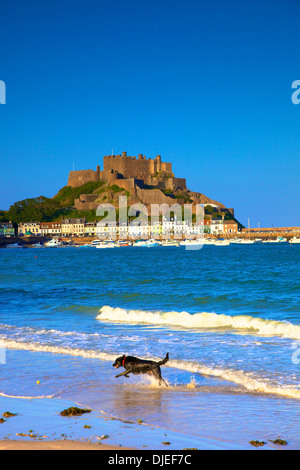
{"x": 128, "y": 171}
{"x": 147, "y": 181}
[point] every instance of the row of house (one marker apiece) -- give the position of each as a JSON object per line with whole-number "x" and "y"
{"x": 79, "y": 227}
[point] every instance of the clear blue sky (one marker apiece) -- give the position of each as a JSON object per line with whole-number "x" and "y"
{"x": 206, "y": 84}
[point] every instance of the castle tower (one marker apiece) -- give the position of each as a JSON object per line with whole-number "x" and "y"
{"x": 158, "y": 163}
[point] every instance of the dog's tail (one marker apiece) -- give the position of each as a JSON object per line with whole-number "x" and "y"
{"x": 160, "y": 363}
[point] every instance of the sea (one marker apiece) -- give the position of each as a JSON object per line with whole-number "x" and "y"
{"x": 228, "y": 316}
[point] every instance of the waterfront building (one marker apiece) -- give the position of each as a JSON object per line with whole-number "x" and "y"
{"x": 73, "y": 227}
{"x": 7, "y": 229}
{"x": 230, "y": 227}
{"x": 50, "y": 228}
{"x": 32, "y": 228}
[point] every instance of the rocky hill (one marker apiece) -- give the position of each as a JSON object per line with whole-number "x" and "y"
{"x": 141, "y": 180}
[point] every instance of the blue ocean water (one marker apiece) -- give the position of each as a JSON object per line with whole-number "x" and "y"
{"x": 228, "y": 316}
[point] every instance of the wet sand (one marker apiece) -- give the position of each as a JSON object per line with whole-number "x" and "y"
{"x": 56, "y": 445}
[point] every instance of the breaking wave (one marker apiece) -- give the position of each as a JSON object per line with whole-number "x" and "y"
{"x": 250, "y": 382}
{"x": 204, "y": 320}
{"x": 69, "y": 351}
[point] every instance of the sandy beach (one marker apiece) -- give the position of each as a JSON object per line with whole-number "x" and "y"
{"x": 38, "y": 425}
{"x": 54, "y": 445}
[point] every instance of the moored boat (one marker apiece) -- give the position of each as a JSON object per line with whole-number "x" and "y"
{"x": 95, "y": 242}
{"x": 54, "y": 243}
{"x": 222, "y": 242}
{"x": 147, "y": 243}
{"x": 170, "y": 243}
{"x": 295, "y": 240}
{"x": 193, "y": 243}
{"x": 15, "y": 245}
{"x": 106, "y": 244}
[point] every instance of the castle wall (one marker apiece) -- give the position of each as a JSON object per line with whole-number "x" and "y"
{"x": 154, "y": 196}
{"x": 176, "y": 184}
{"x": 132, "y": 167}
{"x": 85, "y": 206}
{"x": 121, "y": 166}
{"x": 128, "y": 185}
{"x": 81, "y": 177}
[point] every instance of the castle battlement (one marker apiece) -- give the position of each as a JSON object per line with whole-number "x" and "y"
{"x": 138, "y": 168}
{"x": 146, "y": 180}
{"x": 123, "y": 167}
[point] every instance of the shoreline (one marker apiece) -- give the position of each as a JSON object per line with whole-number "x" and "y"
{"x": 38, "y": 425}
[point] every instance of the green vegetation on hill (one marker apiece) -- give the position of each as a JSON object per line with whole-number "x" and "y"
{"x": 36, "y": 209}
{"x": 43, "y": 209}
{"x": 66, "y": 196}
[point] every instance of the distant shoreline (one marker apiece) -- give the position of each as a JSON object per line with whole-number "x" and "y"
{"x": 262, "y": 234}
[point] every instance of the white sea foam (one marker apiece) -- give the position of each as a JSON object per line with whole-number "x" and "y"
{"x": 248, "y": 381}
{"x": 39, "y": 347}
{"x": 25, "y": 398}
{"x": 203, "y": 320}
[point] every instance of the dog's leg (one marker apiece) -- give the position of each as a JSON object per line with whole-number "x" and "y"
{"x": 157, "y": 374}
{"x": 164, "y": 382}
{"x": 125, "y": 373}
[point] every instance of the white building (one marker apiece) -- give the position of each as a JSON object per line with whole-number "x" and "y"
{"x": 51, "y": 228}
{"x": 216, "y": 227}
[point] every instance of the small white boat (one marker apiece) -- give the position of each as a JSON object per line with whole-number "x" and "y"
{"x": 95, "y": 242}
{"x": 222, "y": 242}
{"x": 208, "y": 241}
{"x": 147, "y": 243}
{"x": 54, "y": 243}
{"x": 193, "y": 243}
{"x": 37, "y": 245}
{"x": 281, "y": 239}
{"x": 170, "y": 243}
{"x": 246, "y": 241}
{"x": 106, "y": 244}
{"x": 295, "y": 240}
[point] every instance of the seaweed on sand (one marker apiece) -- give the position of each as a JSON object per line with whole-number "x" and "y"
{"x": 74, "y": 411}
